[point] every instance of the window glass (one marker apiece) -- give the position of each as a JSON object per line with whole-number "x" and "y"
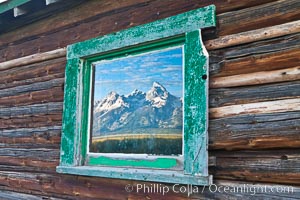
{"x": 138, "y": 104}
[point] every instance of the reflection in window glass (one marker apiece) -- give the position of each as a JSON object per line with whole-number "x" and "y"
{"x": 138, "y": 104}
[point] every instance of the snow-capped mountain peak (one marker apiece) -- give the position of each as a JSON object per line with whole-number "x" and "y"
{"x": 135, "y": 92}
{"x": 112, "y": 101}
{"x": 157, "y": 95}
{"x": 155, "y": 109}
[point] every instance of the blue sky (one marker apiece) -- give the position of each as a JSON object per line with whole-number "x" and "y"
{"x": 124, "y": 75}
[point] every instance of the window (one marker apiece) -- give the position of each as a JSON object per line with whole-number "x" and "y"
{"x": 135, "y": 104}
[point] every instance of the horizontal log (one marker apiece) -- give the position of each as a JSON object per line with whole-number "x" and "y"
{"x": 92, "y": 188}
{"x": 256, "y": 63}
{"x": 257, "y": 78}
{"x": 255, "y": 131}
{"x": 32, "y": 87}
{"x": 90, "y": 10}
{"x": 55, "y": 94}
{"x": 39, "y": 57}
{"x": 248, "y": 190}
{"x": 46, "y": 137}
{"x": 62, "y": 185}
{"x": 280, "y": 166}
{"x": 269, "y": 14}
{"x": 35, "y": 71}
{"x": 46, "y": 158}
{"x": 104, "y": 24}
{"x": 256, "y": 108}
{"x": 28, "y": 164}
{"x": 9, "y": 195}
{"x": 279, "y": 45}
{"x": 32, "y": 12}
{"x": 31, "y": 121}
{"x": 251, "y": 94}
{"x": 240, "y": 132}
{"x": 253, "y": 36}
{"x": 36, "y": 109}
{"x": 32, "y": 80}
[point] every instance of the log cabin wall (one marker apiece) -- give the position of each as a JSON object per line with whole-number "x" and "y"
{"x": 254, "y": 130}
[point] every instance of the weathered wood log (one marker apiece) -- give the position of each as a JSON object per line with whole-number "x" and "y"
{"x": 32, "y": 87}
{"x": 36, "y": 109}
{"x": 280, "y": 166}
{"x": 33, "y": 71}
{"x": 101, "y": 25}
{"x": 41, "y": 154}
{"x": 91, "y": 189}
{"x": 29, "y": 159}
{"x": 255, "y": 131}
{"x": 9, "y": 195}
{"x": 251, "y": 94}
{"x": 32, "y": 80}
{"x": 90, "y": 10}
{"x": 247, "y": 190}
{"x": 60, "y": 186}
{"x": 256, "y": 108}
{"x": 55, "y": 94}
{"x": 46, "y": 137}
{"x": 257, "y": 78}
{"x": 33, "y": 11}
{"x": 256, "y": 63}
{"x": 254, "y": 35}
{"x": 280, "y": 44}
{"x": 270, "y": 14}
{"x": 31, "y": 121}
{"x": 39, "y": 57}
{"x": 277, "y": 53}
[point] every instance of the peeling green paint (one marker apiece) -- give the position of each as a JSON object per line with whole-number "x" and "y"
{"x": 195, "y": 104}
{"x": 69, "y": 130}
{"x": 183, "y": 29}
{"x": 164, "y": 163}
{"x": 157, "y": 175}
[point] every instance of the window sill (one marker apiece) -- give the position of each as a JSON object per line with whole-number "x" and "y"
{"x": 158, "y": 175}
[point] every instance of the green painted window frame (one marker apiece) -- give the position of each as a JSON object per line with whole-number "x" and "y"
{"x": 183, "y": 29}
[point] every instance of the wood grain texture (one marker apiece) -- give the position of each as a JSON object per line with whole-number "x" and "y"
{"x": 248, "y": 190}
{"x": 40, "y": 137}
{"x": 256, "y": 131}
{"x": 90, "y": 11}
{"x": 257, "y": 63}
{"x": 35, "y": 72}
{"x": 32, "y": 87}
{"x": 35, "y": 109}
{"x": 254, "y": 35}
{"x": 285, "y": 105}
{"x": 273, "y": 45}
{"x": 33, "y": 59}
{"x": 260, "y": 146}
{"x": 40, "y": 159}
{"x": 103, "y": 24}
{"x": 251, "y": 94}
{"x": 91, "y": 189}
{"x": 281, "y": 166}
{"x": 257, "y": 78}
{"x": 53, "y": 119}
{"x": 270, "y": 14}
{"x": 54, "y": 94}
{"x": 9, "y": 195}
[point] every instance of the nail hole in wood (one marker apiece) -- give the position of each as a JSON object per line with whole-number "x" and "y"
{"x": 284, "y": 157}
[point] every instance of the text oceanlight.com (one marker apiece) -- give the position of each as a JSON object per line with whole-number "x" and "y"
{"x": 213, "y": 188}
